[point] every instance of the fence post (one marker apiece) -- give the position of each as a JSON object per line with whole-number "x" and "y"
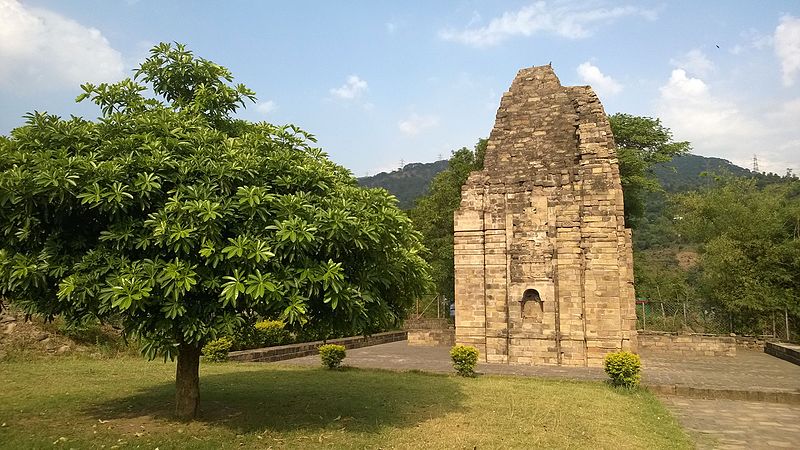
{"x": 786, "y": 316}
{"x": 644, "y": 317}
{"x": 685, "y": 320}
{"x": 774, "y": 332}
{"x": 438, "y": 306}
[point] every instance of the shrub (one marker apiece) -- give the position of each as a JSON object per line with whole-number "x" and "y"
{"x": 217, "y": 350}
{"x": 623, "y": 368}
{"x": 464, "y": 357}
{"x": 271, "y": 332}
{"x": 245, "y": 337}
{"x": 331, "y": 355}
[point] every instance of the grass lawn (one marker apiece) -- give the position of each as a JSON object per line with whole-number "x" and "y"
{"x": 79, "y": 402}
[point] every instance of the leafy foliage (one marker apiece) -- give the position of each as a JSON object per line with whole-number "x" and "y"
{"x": 750, "y": 239}
{"x": 332, "y": 355}
{"x": 271, "y": 332}
{"x": 623, "y": 368}
{"x": 433, "y": 214}
{"x": 465, "y": 358}
{"x": 177, "y": 220}
{"x": 217, "y": 350}
{"x": 642, "y": 142}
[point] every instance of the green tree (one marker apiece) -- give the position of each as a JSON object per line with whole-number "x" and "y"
{"x": 433, "y": 213}
{"x": 750, "y": 240}
{"x": 642, "y": 142}
{"x": 176, "y": 220}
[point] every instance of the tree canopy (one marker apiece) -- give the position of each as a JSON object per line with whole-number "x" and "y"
{"x": 750, "y": 240}
{"x": 642, "y": 142}
{"x": 175, "y": 219}
{"x": 433, "y": 214}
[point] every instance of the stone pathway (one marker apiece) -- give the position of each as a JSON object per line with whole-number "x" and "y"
{"x": 748, "y": 370}
{"x": 736, "y": 424}
{"x": 716, "y": 423}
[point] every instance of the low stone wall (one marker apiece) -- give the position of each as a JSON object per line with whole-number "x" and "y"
{"x": 751, "y": 342}
{"x": 430, "y": 332}
{"x": 282, "y": 352}
{"x": 687, "y": 344}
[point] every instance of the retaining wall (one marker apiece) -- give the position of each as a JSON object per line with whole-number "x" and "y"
{"x": 282, "y": 352}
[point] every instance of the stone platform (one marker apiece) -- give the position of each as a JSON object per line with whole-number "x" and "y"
{"x": 787, "y": 352}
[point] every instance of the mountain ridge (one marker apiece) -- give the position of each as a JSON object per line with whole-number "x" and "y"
{"x": 682, "y": 173}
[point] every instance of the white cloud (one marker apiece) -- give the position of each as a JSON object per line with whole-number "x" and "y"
{"x": 266, "y": 107}
{"x": 694, "y": 62}
{"x": 753, "y": 40}
{"x": 787, "y": 47}
{"x": 415, "y": 124}
{"x": 351, "y": 89}
{"x": 601, "y": 83}
{"x": 687, "y": 105}
{"x": 570, "y": 20}
{"x": 719, "y": 127}
{"x": 41, "y": 49}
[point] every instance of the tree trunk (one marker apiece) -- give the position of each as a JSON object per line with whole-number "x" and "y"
{"x": 187, "y": 382}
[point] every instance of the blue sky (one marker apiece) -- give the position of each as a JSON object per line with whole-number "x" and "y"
{"x": 379, "y": 82}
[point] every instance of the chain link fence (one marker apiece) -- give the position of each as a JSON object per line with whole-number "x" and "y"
{"x": 431, "y": 306}
{"x": 698, "y": 318}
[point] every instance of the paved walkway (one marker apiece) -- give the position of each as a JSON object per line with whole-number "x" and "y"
{"x": 748, "y": 370}
{"x": 736, "y": 424}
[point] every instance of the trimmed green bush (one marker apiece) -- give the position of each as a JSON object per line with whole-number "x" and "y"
{"x": 623, "y": 368}
{"x": 271, "y": 332}
{"x": 332, "y": 355}
{"x": 464, "y": 357}
{"x": 217, "y": 350}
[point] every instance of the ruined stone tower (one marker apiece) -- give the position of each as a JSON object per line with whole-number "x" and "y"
{"x": 543, "y": 261}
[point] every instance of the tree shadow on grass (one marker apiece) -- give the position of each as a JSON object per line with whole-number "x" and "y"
{"x": 286, "y": 399}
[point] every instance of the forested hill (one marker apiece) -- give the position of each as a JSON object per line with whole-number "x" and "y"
{"x": 680, "y": 174}
{"x": 683, "y": 173}
{"x": 407, "y": 183}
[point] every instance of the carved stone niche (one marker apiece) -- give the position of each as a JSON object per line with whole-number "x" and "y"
{"x": 532, "y": 306}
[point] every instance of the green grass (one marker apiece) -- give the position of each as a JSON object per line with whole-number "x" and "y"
{"x": 78, "y": 402}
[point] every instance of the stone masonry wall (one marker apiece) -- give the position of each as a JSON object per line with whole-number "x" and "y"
{"x": 543, "y": 261}
{"x": 430, "y": 332}
{"x": 687, "y": 344}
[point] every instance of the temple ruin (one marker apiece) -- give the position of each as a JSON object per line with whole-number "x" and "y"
{"x": 543, "y": 261}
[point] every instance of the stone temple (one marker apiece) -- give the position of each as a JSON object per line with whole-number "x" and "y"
{"x": 543, "y": 261}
